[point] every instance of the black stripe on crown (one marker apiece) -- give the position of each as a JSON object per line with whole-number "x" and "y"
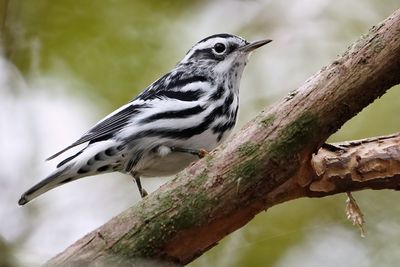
{"x": 221, "y": 35}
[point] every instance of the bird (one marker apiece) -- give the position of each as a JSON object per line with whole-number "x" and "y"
{"x": 176, "y": 120}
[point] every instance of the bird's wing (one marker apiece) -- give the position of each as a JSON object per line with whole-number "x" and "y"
{"x": 114, "y": 122}
{"x": 108, "y": 126}
{"x": 161, "y": 88}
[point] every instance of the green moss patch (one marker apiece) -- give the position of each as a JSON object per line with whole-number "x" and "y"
{"x": 154, "y": 234}
{"x": 268, "y": 120}
{"x": 295, "y": 136}
{"x": 247, "y": 149}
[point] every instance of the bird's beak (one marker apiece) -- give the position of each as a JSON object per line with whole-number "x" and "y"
{"x": 254, "y": 45}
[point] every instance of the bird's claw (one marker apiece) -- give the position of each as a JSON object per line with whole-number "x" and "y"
{"x": 202, "y": 153}
{"x": 143, "y": 193}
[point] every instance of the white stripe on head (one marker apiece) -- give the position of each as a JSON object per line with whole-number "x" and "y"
{"x": 210, "y": 41}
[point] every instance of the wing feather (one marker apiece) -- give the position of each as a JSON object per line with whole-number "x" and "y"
{"x": 107, "y": 127}
{"x": 114, "y": 122}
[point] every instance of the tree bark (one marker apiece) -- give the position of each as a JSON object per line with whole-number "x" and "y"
{"x": 370, "y": 163}
{"x": 269, "y": 161}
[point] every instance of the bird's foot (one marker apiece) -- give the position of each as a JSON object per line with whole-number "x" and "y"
{"x": 202, "y": 153}
{"x": 143, "y": 193}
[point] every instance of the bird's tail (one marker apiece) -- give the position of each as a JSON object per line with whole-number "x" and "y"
{"x": 94, "y": 159}
{"x": 57, "y": 178}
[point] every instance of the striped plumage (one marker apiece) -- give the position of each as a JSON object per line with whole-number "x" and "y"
{"x": 190, "y": 109}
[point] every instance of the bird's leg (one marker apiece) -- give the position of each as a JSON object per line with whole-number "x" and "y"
{"x": 142, "y": 191}
{"x": 201, "y": 153}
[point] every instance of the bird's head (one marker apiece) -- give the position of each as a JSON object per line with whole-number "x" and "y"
{"x": 221, "y": 52}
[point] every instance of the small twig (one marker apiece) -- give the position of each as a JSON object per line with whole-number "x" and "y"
{"x": 354, "y": 213}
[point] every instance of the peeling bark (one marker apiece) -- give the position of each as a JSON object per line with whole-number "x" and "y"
{"x": 266, "y": 163}
{"x": 357, "y": 161}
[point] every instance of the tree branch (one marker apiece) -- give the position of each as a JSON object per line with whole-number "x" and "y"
{"x": 266, "y": 163}
{"x": 370, "y": 163}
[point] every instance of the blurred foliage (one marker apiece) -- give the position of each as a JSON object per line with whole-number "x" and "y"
{"x": 6, "y": 258}
{"x": 112, "y": 46}
{"x": 268, "y": 236}
{"x": 377, "y": 119}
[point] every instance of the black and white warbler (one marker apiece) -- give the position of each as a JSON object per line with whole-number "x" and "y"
{"x": 188, "y": 111}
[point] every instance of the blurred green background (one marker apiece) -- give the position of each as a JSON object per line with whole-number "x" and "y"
{"x": 65, "y": 64}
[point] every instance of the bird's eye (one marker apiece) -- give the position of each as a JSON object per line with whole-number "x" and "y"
{"x": 219, "y": 48}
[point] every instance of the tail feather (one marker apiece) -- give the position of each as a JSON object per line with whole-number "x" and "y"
{"x": 100, "y": 157}
{"x": 55, "y": 179}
